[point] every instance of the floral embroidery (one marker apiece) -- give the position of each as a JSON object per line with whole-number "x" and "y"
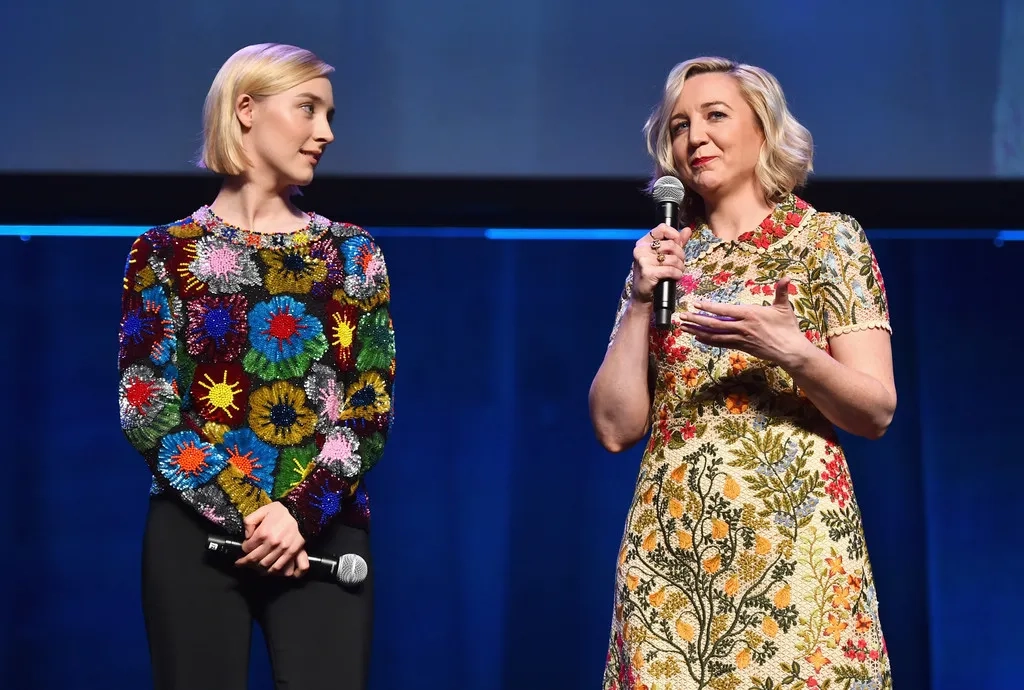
{"x": 187, "y": 462}
{"x": 219, "y": 392}
{"x": 252, "y": 457}
{"x": 342, "y": 321}
{"x": 217, "y": 327}
{"x": 223, "y": 267}
{"x": 251, "y": 407}
{"x": 743, "y": 563}
{"x": 366, "y": 398}
{"x": 365, "y": 275}
{"x": 293, "y": 270}
{"x": 285, "y": 339}
{"x": 278, "y": 414}
{"x": 377, "y": 341}
{"x": 149, "y": 408}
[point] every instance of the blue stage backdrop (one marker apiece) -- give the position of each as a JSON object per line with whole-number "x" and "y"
{"x": 496, "y": 514}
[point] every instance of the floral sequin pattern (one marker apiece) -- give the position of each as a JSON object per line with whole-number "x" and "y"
{"x": 743, "y": 563}
{"x": 258, "y": 367}
{"x": 149, "y": 407}
{"x": 365, "y": 275}
{"x": 285, "y": 339}
{"x": 225, "y": 268}
{"x": 217, "y": 327}
{"x": 148, "y": 328}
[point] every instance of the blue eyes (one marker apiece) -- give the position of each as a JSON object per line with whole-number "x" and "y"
{"x": 714, "y": 116}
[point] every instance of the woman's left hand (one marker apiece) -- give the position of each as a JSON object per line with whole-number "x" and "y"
{"x": 770, "y": 333}
{"x": 272, "y": 539}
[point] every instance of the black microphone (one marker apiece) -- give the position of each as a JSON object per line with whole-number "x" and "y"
{"x": 349, "y": 569}
{"x": 668, "y": 193}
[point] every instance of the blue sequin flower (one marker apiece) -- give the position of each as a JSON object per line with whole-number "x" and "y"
{"x": 217, "y": 327}
{"x": 365, "y": 273}
{"x": 285, "y": 339}
{"x": 187, "y": 461}
{"x": 255, "y": 459}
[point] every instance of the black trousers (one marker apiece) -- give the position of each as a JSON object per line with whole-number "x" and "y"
{"x": 199, "y": 609}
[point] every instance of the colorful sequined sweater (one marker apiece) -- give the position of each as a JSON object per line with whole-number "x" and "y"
{"x": 258, "y": 367}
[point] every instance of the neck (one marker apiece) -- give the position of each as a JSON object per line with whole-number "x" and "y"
{"x": 735, "y": 214}
{"x": 247, "y": 204}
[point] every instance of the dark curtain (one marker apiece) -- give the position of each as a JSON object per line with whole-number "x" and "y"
{"x": 496, "y": 515}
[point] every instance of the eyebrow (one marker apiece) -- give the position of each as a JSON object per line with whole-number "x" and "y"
{"x": 703, "y": 106}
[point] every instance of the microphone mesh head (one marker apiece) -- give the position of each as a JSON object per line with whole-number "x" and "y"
{"x": 668, "y": 188}
{"x": 352, "y": 569}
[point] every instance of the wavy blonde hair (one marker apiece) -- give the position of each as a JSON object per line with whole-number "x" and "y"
{"x": 260, "y": 70}
{"x": 786, "y": 156}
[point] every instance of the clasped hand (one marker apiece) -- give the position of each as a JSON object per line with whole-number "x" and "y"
{"x": 273, "y": 542}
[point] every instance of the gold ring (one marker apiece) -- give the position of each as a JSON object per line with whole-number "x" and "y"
{"x": 655, "y": 245}
{"x": 661, "y": 258}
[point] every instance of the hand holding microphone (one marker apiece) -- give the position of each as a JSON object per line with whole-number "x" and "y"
{"x": 349, "y": 569}
{"x": 658, "y": 255}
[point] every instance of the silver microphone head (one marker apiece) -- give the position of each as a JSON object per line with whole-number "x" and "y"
{"x": 668, "y": 188}
{"x": 352, "y": 569}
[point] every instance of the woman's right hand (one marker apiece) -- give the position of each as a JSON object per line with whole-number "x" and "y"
{"x": 657, "y": 255}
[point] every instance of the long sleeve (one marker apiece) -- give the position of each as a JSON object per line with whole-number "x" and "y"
{"x": 151, "y": 404}
{"x": 351, "y": 390}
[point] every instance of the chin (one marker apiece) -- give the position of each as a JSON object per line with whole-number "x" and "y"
{"x": 300, "y": 180}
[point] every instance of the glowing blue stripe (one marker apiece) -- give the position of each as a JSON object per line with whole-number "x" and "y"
{"x": 563, "y": 234}
{"x": 74, "y": 230}
{"x": 998, "y": 237}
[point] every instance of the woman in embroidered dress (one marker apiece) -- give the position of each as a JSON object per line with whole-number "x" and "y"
{"x": 743, "y": 562}
{"x": 257, "y": 361}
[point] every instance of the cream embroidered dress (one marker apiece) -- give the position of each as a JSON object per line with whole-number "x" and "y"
{"x": 743, "y": 563}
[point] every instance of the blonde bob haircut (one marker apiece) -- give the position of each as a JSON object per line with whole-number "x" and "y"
{"x": 261, "y": 70}
{"x": 786, "y": 155}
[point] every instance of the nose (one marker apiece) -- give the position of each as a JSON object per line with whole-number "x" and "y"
{"x": 323, "y": 132}
{"x": 697, "y": 134}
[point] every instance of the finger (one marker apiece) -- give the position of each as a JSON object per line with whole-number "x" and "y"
{"x": 733, "y": 311}
{"x": 664, "y": 232}
{"x": 723, "y": 340}
{"x": 302, "y": 562}
{"x": 254, "y": 556}
{"x": 648, "y": 259}
{"x": 709, "y": 327}
{"x": 277, "y": 563}
{"x": 659, "y": 245}
{"x": 782, "y": 292}
{"x": 253, "y": 520}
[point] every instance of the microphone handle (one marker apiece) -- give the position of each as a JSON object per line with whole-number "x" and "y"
{"x": 665, "y": 290}
{"x": 233, "y": 548}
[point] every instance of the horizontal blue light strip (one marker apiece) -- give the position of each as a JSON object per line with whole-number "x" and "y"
{"x": 998, "y": 237}
{"x": 562, "y": 234}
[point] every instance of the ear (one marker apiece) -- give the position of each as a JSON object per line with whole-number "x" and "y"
{"x": 244, "y": 106}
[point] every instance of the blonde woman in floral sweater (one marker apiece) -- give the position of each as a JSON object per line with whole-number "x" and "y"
{"x": 257, "y": 359}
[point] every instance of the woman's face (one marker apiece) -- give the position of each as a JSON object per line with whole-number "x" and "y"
{"x": 716, "y": 138}
{"x": 284, "y": 135}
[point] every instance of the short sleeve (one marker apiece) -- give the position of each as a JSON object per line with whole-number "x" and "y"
{"x": 627, "y": 290}
{"x": 853, "y": 292}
